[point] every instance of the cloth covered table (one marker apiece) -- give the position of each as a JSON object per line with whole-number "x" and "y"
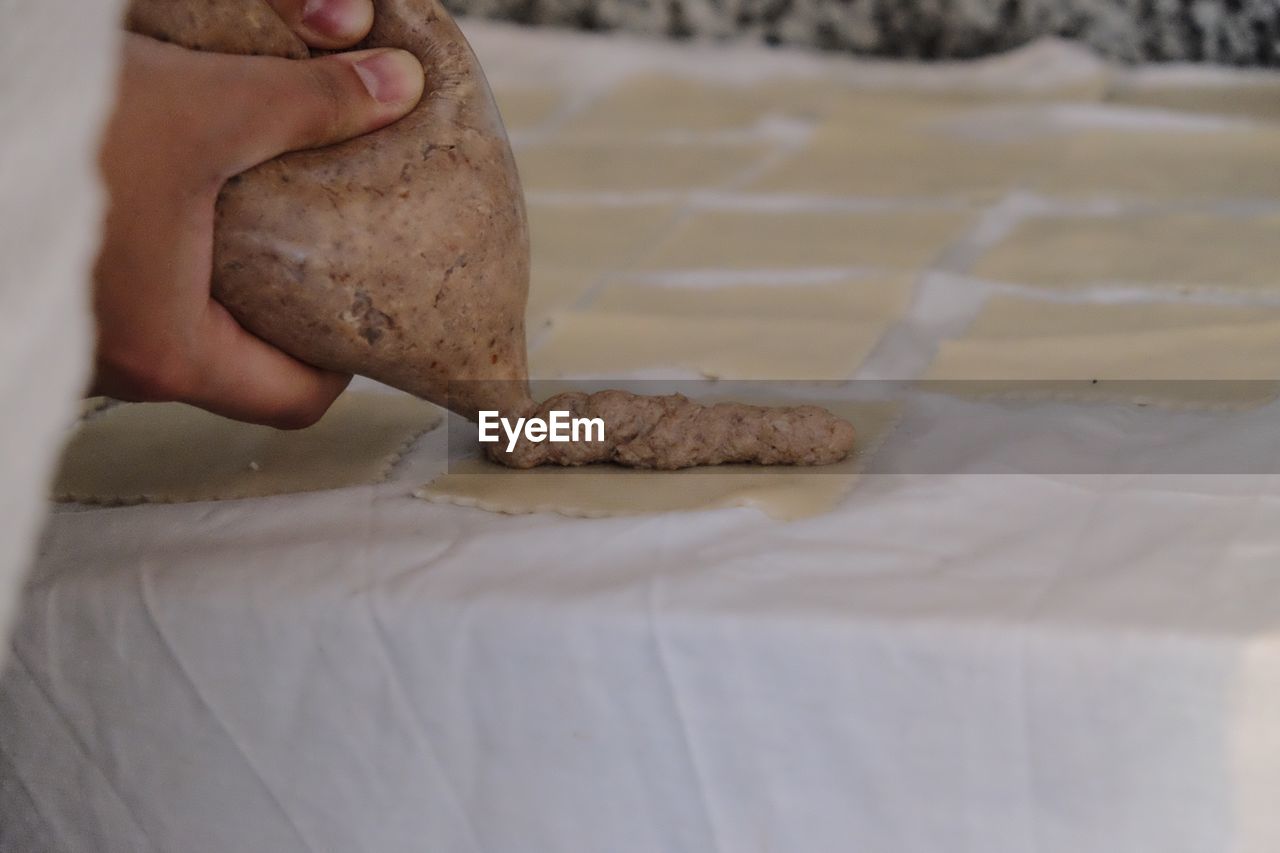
{"x": 1002, "y": 641}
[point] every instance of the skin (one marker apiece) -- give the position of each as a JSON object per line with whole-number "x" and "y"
{"x": 184, "y": 124}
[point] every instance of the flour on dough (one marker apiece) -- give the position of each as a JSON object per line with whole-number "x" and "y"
{"x": 607, "y": 490}
{"x": 1173, "y": 354}
{"x": 1166, "y": 166}
{"x": 171, "y": 453}
{"x": 904, "y": 240}
{"x": 1178, "y": 250}
{"x": 601, "y": 343}
{"x": 620, "y": 166}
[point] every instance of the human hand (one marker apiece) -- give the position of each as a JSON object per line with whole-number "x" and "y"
{"x": 185, "y": 122}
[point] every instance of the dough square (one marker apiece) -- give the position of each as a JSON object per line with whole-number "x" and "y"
{"x": 1182, "y": 250}
{"x": 553, "y": 289}
{"x": 172, "y": 453}
{"x": 578, "y": 236}
{"x": 1170, "y": 354}
{"x": 782, "y": 493}
{"x": 602, "y": 343}
{"x": 619, "y": 166}
{"x": 849, "y": 301}
{"x": 1251, "y": 100}
{"x": 90, "y": 406}
{"x": 526, "y": 109}
{"x": 1168, "y": 166}
{"x": 656, "y": 103}
{"x": 915, "y": 163}
{"x": 905, "y": 240}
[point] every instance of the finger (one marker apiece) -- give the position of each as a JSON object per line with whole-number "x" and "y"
{"x": 280, "y": 105}
{"x": 328, "y": 24}
{"x": 245, "y": 378}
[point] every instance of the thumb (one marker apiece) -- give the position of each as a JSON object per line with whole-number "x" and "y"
{"x": 309, "y": 103}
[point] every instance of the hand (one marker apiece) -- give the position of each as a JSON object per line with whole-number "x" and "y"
{"x": 184, "y": 123}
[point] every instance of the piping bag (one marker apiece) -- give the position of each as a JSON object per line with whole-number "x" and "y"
{"x": 403, "y": 255}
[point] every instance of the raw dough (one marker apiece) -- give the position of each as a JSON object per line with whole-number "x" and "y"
{"x": 1184, "y": 250}
{"x": 657, "y": 103}
{"x": 526, "y": 109}
{"x": 92, "y": 405}
{"x": 1166, "y": 166}
{"x": 1174, "y": 354}
{"x": 909, "y": 163}
{"x": 576, "y": 245}
{"x": 600, "y": 343}
{"x": 620, "y": 166}
{"x": 1254, "y": 100}
{"x": 606, "y": 490}
{"x": 851, "y": 300}
{"x": 747, "y": 240}
{"x": 168, "y": 452}
{"x": 553, "y": 289}
{"x": 596, "y": 238}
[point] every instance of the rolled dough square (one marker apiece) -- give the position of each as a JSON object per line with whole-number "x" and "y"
{"x": 1179, "y": 250}
{"x": 1175, "y": 354}
{"x": 171, "y": 453}
{"x": 606, "y": 344}
{"x": 1254, "y": 99}
{"x": 850, "y": 301}
{"x": 606, "y": 490}
{"x": 590, "y": 237}
{"x": 553, "y": 289}
{"x": 526, "y": 109}
{"x": 915, "y": 164}
{"x": 1168, "y": 166}
{"x": 735, "y": 240}
{"x": 657, "y": 102}
{"x": 620, "y": 166}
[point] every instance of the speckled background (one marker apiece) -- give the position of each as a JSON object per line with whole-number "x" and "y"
{"x": 1236, "y": 32}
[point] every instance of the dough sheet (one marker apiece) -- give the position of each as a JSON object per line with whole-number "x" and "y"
{"x": 554, "y": 289}
{"x": 527, "y": 108}
{"x": 1174, "y": 354}
{"x": 605, "y": 490}
{"x": 1179, "y": 250}
{"x": 619, "y": 166}
{"x": 658, "y": 103}
{"x": 853, "y": 300}
{"x": 904, "y": 240}
{"x": 607, "y": 344}
{"x": 172, "y": 453}
{"x": 910, "y": 163}
{"x": 1166, "y": 166}
{"x": 1255, "y": 100}
{"x": 573, "y": 236}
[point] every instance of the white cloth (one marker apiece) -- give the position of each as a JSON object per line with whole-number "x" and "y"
{"x": 57, "y": 78}
{"x": 975, "y": 663}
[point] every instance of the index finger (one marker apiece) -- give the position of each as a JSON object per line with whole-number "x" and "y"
{"x": 327, "y": 24}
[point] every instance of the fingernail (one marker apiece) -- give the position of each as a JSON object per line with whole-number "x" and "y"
{"x": 335, "y": 18}
{"x": 391, "y": 76}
